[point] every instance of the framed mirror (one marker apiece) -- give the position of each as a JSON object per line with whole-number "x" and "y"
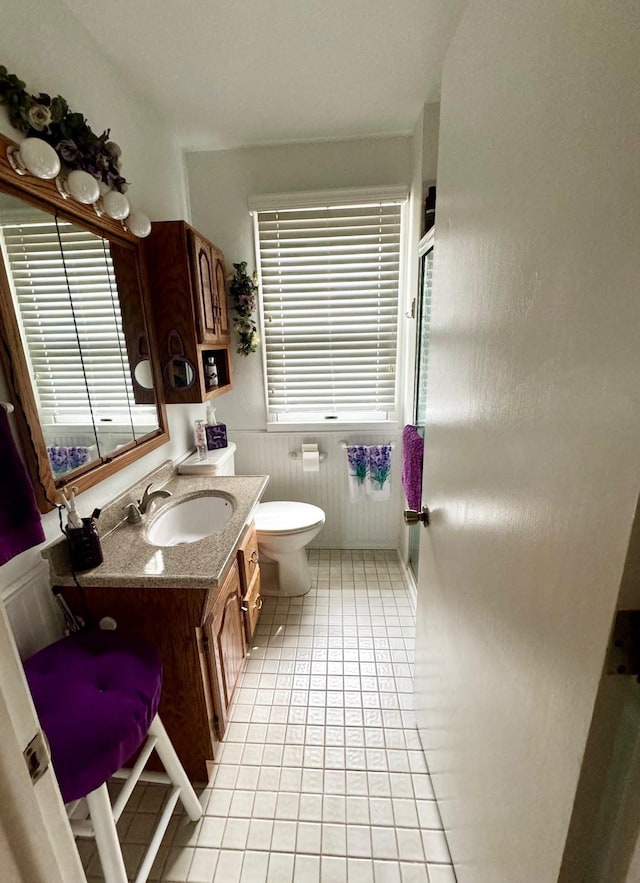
{"x": 76, "y": 348}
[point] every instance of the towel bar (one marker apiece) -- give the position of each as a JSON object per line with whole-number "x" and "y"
{"x": 343, "y": 444}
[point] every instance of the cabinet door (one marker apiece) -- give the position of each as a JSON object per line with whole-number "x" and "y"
{"x": 224, "y": 630}
{"x": 248, "y": 560}
{"x": 220, "y": 279}
{"x": 251, "y": 606}
{"x": 205, "y": 290}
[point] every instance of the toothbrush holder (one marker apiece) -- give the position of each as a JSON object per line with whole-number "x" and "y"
{"x": 85, "y": 550}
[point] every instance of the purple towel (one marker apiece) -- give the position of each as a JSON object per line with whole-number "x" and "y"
{"x": 412, "y": 451}
{"x": 20, "y": 524}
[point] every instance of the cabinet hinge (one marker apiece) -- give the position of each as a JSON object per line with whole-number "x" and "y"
{"x": 623, "y": 653}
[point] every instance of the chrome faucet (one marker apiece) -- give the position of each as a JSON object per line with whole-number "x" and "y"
{"x": 148, "y": 498}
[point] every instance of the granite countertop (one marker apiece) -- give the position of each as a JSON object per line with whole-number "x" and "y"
{"x": 130, "y": 560}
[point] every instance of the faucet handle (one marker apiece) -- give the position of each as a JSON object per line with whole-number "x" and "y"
{"x": 134, "y": 516}
{"x": 146, "y": 493}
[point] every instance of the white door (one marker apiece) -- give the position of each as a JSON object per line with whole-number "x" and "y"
{"x": 532, "y": 439}
{"x": 36, "y": 844}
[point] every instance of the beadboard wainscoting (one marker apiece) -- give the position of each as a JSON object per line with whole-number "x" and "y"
{"x": 364, "y": 524}
{"x": 32, "y": 611}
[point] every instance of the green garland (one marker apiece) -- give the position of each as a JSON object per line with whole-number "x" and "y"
{"x": 243, "y": 291}
{"x": 52, "y": 120}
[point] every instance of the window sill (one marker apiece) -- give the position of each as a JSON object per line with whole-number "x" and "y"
{"x": 335, "y": 426}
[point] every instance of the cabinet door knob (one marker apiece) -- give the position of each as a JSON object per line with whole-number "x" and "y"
{"x": 411, "y": 516}
{"x": 254, "y": 557}
{"x": 258, "y": 604}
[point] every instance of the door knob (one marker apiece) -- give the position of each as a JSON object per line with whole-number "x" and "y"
{"x": 411, "y": 516}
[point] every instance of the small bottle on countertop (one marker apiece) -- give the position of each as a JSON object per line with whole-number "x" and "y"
{"x": 201, "y": 439}
{"x": 216, "y": 432}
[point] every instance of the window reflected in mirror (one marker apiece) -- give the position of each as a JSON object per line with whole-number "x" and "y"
{"x": 65, "y": 293}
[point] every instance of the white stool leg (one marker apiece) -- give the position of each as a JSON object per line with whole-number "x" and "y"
{"x": 106, "y": 836}
{"x": 175, "y": 770}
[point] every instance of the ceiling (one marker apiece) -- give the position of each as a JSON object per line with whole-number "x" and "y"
{"x": 240, "y": 72}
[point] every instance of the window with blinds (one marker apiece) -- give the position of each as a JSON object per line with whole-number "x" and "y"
{"x": 66, "y": 295}
{"x": 329, "y": 277}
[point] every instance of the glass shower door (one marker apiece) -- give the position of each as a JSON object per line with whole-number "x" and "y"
{"x": 423, "y": 316}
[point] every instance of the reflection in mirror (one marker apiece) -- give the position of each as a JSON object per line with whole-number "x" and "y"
{"x": 143, "y": 375}
{"x": 179, "y": 373}
{"x": 73, "y": 324}
{"x": 65, "y": 296}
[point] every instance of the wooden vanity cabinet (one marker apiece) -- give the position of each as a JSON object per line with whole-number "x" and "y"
{"x": 200, "y": 635}
{"x": 249, "y": 564}
{"x": 187, "y": 280}
{"x": 223, "y": 632}
{"x": 170, "y": 619}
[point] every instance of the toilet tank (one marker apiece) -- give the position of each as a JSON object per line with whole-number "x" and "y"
{"x": 218, "y": 462}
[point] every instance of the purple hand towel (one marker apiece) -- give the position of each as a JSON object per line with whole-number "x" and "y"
{"x": 412, "y": 451}
{"x": 20, "y": 524}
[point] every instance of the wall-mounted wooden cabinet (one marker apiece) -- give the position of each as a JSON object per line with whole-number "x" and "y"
{"x": 187, "y": 279}
{"x": 210, "y": 290}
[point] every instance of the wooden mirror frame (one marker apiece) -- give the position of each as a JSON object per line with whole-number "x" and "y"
{"x": 132, "y": 280}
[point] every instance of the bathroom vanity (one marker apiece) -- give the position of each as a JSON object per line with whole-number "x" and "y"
{"x": 197, "y": 602}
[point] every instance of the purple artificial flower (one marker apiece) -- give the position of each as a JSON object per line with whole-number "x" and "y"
{"x": 379, "y": 463}
{"x": 67, "y": 150}
{"x": 357, "y": 458}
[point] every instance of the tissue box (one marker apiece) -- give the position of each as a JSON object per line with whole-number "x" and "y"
{"x": 216, "y": 436}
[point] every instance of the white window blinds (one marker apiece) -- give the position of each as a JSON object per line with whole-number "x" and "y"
{"x": 329, "y": 281}
{"x": 66, "y": 294}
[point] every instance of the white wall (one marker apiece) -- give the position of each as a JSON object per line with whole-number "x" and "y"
{"x": 430, "y": 134}
{"x": 220, "y": 183}
{"x": 43, "y": 44}
{"x": 360, "y": 524}
{"x": 532, "y": 448}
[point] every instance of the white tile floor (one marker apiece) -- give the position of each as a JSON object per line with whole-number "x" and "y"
{"x": 321, "y": 776}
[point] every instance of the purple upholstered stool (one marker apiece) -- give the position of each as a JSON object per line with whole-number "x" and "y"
{"x": 97, "y": 695}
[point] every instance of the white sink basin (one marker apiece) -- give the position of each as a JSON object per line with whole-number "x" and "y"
{"x": 190, "y": 519}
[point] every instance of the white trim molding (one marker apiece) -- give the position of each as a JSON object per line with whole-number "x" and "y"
{"x": 392, "y": 194}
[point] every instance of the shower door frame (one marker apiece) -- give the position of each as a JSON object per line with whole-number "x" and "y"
{"x": 423, "y": 304}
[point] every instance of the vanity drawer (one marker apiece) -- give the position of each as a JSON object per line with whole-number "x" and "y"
{"x": 248, "y": 558}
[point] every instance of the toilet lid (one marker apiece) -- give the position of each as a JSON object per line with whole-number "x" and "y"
{"x": 287, "y": 517}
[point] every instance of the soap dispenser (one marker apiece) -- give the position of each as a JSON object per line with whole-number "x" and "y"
{"x": 216, "y": 432}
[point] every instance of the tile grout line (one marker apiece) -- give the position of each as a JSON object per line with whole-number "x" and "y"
{"x": 321, "y": 776}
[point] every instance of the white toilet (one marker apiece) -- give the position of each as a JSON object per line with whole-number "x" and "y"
{"x": 219, "y": 462}
{"x": 284, "y": 530}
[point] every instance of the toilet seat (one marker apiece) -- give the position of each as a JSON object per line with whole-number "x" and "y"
{"x": 284, "y": 518}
